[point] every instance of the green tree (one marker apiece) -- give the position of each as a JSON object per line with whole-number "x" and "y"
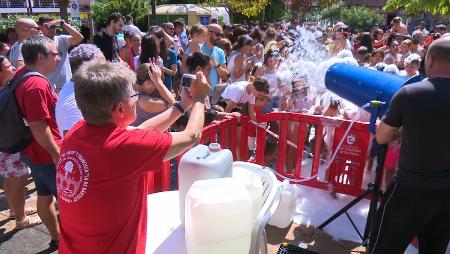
{"x": 139, "y": 9}
{"x": 301, "y": 8}
{"x": 436, "y": 7}
{"x": 357, "y": 17}
{"x": 10, "y": 21}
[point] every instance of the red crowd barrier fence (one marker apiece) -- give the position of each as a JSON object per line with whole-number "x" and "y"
{"x": 295, "y": 132}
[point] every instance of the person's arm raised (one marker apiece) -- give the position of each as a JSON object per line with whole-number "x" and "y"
{"x": 155, "y": 76}
{"x": 181, "y": 141}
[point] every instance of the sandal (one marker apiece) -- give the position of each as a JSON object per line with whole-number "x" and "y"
{"x": 29, "y": 221}
{"x": 28, "y": 211}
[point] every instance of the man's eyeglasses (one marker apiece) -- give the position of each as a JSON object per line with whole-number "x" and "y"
{"x": 134, "y": 95}
{"x": 218, "y": 34}
{"x": 34, "y": 27}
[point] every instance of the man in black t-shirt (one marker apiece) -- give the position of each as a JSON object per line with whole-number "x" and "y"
{"x": 106, "y": 40}
{"x": 417, "y": 203}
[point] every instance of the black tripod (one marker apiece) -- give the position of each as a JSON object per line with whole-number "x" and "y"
{"x": 375, "y": 193}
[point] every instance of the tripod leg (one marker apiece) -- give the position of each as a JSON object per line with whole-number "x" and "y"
{"x": 376, "y": 193}
{"x": 345, "y": 208}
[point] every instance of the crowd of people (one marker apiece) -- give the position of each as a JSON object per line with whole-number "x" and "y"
{"x": 91, "y": 106}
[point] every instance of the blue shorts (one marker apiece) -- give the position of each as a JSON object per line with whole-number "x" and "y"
{"x": 44, "y": 177}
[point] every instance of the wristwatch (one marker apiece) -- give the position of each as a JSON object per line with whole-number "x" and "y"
{"x": 178, "y": 106}
{"x": 62, "y": 21}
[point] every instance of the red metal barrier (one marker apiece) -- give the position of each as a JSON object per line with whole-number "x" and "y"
{"x": 223, "y": 132}
{"x": 346, "y": 171}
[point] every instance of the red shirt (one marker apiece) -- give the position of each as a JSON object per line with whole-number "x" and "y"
{"x": 102, "y": 188}
{"x": 37, "y": 102}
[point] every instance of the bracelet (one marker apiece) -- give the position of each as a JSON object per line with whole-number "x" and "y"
{"x": 179, "y": 107}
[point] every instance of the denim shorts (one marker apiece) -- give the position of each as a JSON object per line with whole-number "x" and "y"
{"x": 44, "y": 177}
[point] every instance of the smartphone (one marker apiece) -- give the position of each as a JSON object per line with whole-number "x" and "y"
{"x": 187, "y": 79}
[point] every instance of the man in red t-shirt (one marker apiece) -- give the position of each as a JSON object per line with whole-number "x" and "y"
{"x": 37, "y": 103}
{"x": 100, "y": 178}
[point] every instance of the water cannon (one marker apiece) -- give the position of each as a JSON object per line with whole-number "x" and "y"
{"x": 363, "y": 86}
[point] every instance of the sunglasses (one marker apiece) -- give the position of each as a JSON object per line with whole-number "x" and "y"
{"x": 34, "y": 27}
{"x": 51, "y": 27}
{"x": 218, "y": 34}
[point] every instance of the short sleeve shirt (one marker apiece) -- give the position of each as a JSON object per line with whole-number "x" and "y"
{"x": 219, "y": 55}
{"x": 37, "y": 102}
{"x": 237, "y": 93}
{"x": 102, "y": 187}
{"x": 15, "y": 53}
{"x": 423, "y": 111}
{"x": 67, "y": 112}
{"x": 63, "y": 73}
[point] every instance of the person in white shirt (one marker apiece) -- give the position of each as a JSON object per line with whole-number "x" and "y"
{"x": 67, "y": 112}
{"x": 246, "y": 95}
{"x": 129, "y": 26}
{"x": 412, "y": 64}
{"x": 48, "y": 26}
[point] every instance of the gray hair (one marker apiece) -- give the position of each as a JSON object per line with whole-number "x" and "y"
{"x": 34, "y": 45}
{"x": 99, "y": 86}
{"x": 83, "y": 53}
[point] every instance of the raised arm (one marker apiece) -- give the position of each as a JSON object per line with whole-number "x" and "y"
{"x": 181, "y": 141}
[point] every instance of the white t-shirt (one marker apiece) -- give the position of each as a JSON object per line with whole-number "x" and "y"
{"x": 273, "y": 82}
{"x": 231, "y": 68}
{"x": 15, "y": 53}
{"x": 67, "y": 112}
{"x": 237, "y": 92}
{"x": 63, "y": 73}
{"x": 132, "y": 28}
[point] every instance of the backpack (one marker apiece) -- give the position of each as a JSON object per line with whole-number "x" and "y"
{"x": 15, "y": 135}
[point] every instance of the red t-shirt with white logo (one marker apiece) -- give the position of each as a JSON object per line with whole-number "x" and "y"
{"x": 102, "y": 187}
{"x": 37, "y": 102}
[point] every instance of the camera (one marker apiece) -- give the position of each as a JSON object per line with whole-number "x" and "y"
{"x": 187, "y": 79}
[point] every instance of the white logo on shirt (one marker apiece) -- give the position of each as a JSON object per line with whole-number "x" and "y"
{"x": 72, "y": 176}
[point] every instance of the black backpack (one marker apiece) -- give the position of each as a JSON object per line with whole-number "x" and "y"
{"x": 14, "y": 134}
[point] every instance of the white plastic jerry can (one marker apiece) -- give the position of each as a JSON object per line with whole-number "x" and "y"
{"x": 200, "y": 163}
{"x": 285, "y": 212}
{"x": 218, "y": 217}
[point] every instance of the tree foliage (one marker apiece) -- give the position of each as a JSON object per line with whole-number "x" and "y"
{"x": 436, "y": 7}
{"x": 303, "y": 7}
{"x": 356, "y": 17}
{"x": 249, "y": 8}
{"x": 10, "y": 21}
{"x": 139, "y": 9}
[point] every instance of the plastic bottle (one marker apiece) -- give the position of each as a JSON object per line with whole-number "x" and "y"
{"x": 218, "y": 217}
{"x": 201, "y": 163}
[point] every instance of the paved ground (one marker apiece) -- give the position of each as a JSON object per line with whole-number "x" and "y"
{"x": 36, "y": 239}
{"x": 25, "y": 241}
